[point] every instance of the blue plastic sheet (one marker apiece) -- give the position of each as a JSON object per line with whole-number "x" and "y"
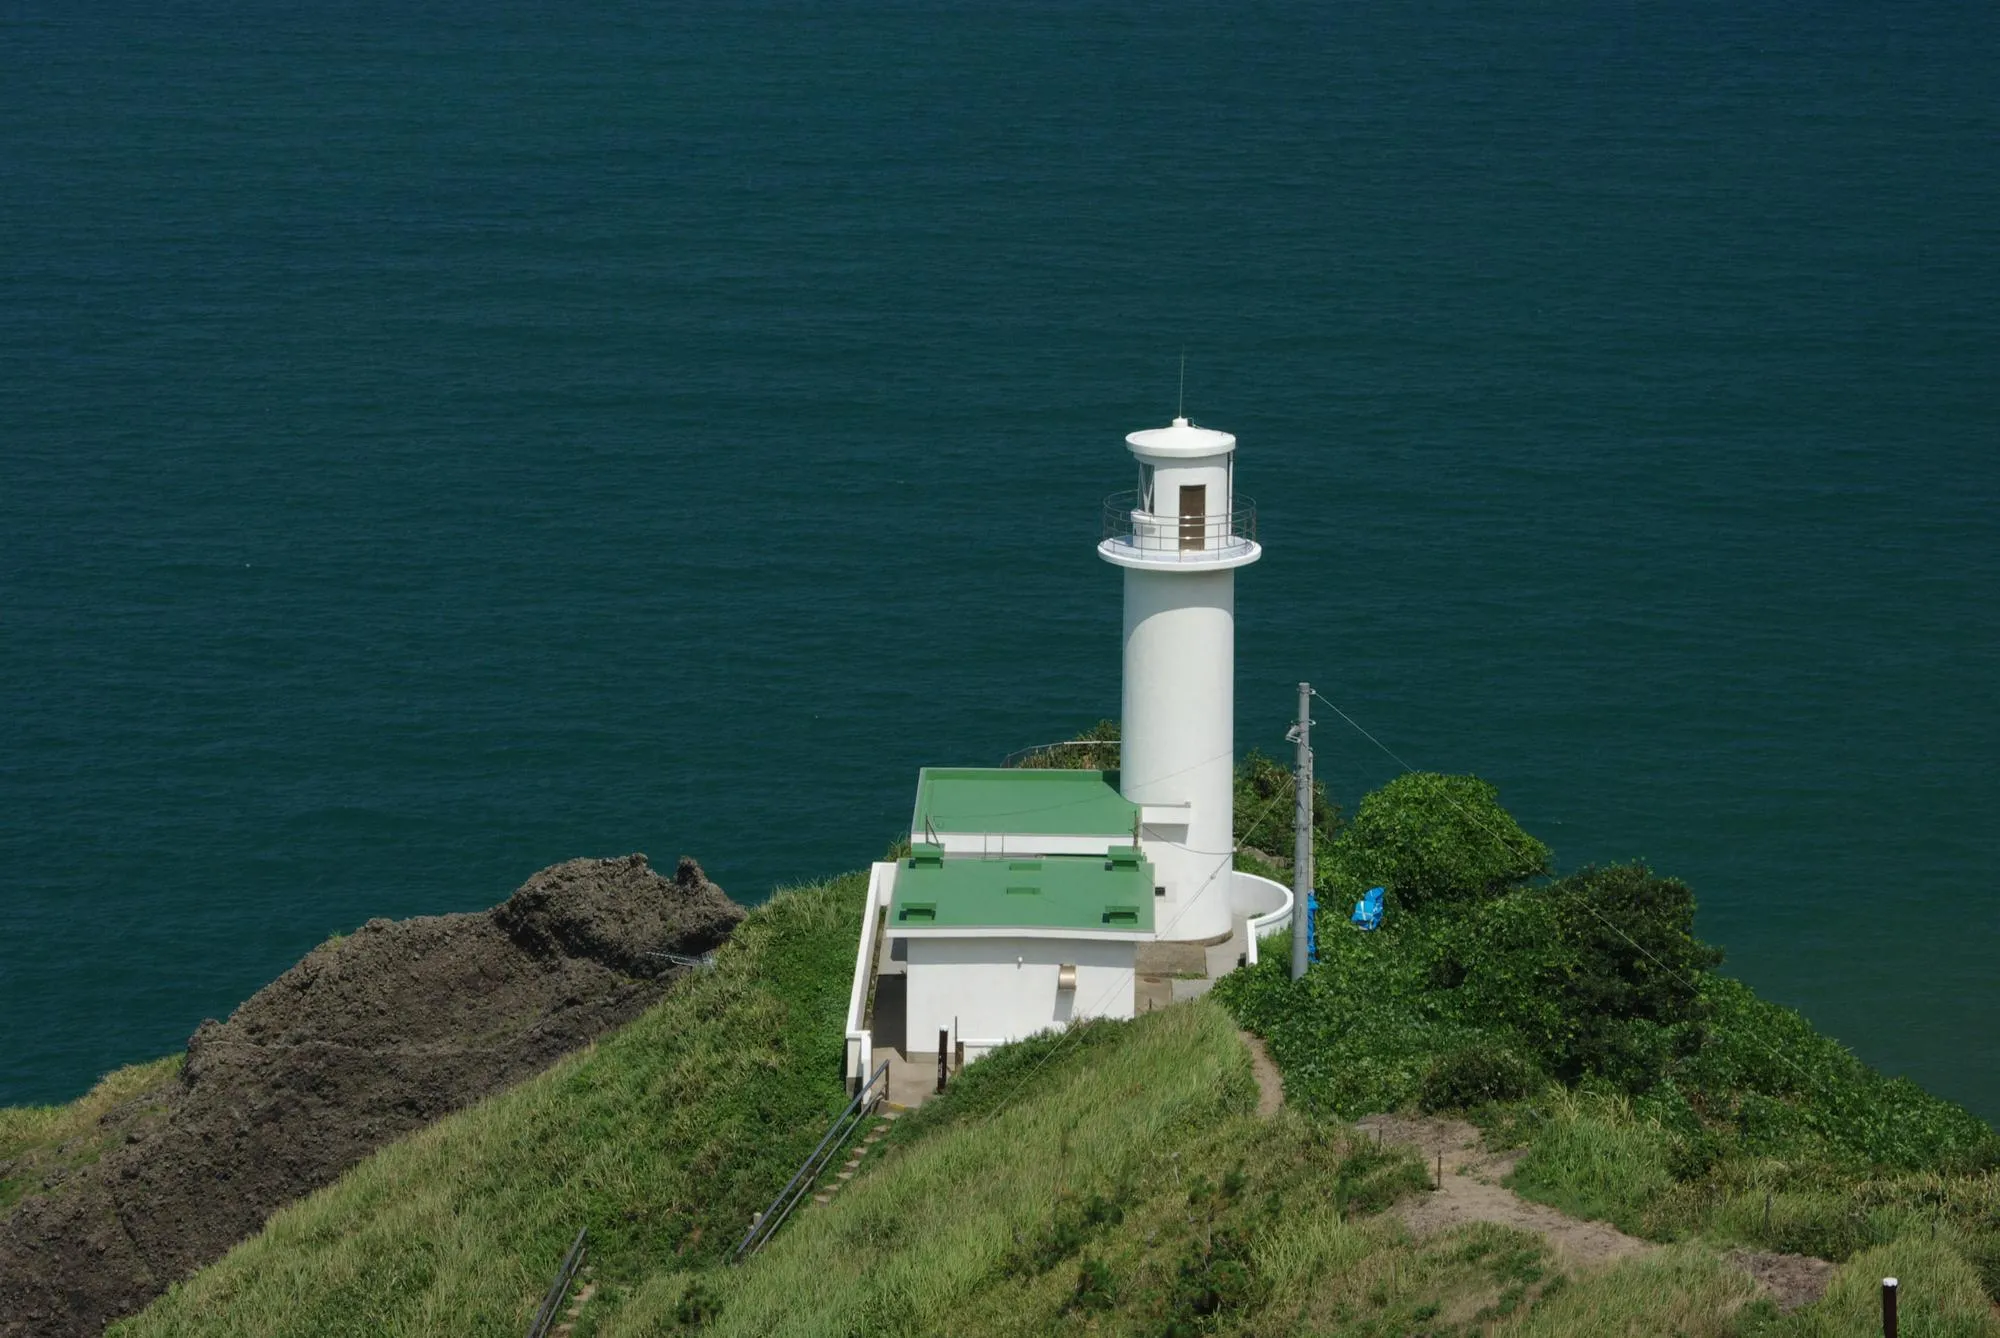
{"x": 1368, "y": 910}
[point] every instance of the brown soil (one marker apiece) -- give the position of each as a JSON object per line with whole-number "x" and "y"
{"x": 368, "y": 1038}
{"x": 1270, "y": 1082}
{"x": 1794, "y": 1279}
{"x": 1470, "y": 1191}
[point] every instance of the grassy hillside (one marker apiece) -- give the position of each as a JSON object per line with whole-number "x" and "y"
{"x": 663, "y": 1139}
{"x": 1118, "y": 1183}
{"x": 1115, "y": 1180}
{"x": 1579, "y": 1017}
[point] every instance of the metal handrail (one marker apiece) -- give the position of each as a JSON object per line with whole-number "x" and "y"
{"x": 1165, "y": 536}
{"x": 767, "y": 1222}
{"x": 1019, "y": 753}
{"x": 538, "y": 1327}
{"x": 701, "y": 963}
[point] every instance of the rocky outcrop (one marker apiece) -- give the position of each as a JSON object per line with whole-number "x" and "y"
{"x": 368, "y": 1038}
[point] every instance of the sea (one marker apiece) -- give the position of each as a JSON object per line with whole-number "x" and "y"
{"x": 441, "y": 440}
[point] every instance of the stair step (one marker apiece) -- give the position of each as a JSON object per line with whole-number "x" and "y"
{"x": 822, "y": 1198}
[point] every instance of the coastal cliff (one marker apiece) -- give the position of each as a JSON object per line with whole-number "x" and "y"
{"x": 369, "y": 1037}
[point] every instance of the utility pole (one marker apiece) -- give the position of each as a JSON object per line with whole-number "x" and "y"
{"x": 1302, "y": 843}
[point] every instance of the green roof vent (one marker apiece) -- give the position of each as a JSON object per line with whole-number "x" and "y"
{"x": 923, "y": 855}
{"x": 1123, "y": 857}
{"x": 1121, "y": 915}
{"x": 925, "y": 911}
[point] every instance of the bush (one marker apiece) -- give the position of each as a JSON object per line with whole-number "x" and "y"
{"x": 1096, "y": 749}
{"x": 1430, "y": 839}
{"x": 1095, "y": 1289}
{"x": 1265, "y": 809}
{"x": 1599, "y": 973}
{"x": 1476, "y": 1076}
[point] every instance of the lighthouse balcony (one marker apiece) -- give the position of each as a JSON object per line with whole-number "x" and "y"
{"x": 1134, "y": 537}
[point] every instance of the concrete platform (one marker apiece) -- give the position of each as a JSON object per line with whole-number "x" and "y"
{"x": 1227, "y": 955}
{"x": 912, "y": 1077}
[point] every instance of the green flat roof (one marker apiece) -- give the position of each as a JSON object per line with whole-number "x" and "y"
{"x": 1052, "y": 892}
{"x": 1039, "y": 803}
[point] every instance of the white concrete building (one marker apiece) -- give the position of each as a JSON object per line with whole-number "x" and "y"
{"x": 1029, "y": 894}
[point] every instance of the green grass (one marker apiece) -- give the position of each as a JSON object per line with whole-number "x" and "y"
{"x": 1603, "y": 1157}
{"x": 1687, "y": 1290}
{"x": 40, "y": 1143}
{"x": 1114, "y": 1180}
{"x": 1670, "y": 1100}
{"x": 663, "y": 1139}
{"x": 1117, "y": 1184}
{"x": 1940, "y": 1297}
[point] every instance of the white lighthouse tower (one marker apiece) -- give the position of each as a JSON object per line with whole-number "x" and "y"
{"x": 1180, "y": 538}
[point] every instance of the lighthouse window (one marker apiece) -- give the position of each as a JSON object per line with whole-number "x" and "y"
{"x": 1145, "y": 487}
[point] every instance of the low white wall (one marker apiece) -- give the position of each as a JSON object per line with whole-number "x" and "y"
{"x": 1017, "y": 844}
{"x": 991, "y": 990}
{"x": 1267, "y": 906}
{"x": 860, "y": 1046}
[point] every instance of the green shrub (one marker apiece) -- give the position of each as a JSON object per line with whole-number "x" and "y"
{"x": 699, "y": 1304}
{"x": 1095, "y": 749}
{"x": 1476, "y": 1076}
{"x": 1781, "y": 1088}
{"x": 1265, "y": 809}
{"x": 1429, "y": 839}
{"x": 1095, "y": 1290}
{"x": 1599, "y": 972}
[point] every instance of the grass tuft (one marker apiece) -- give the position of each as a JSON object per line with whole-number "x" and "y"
{"x": 41, "y": 1143}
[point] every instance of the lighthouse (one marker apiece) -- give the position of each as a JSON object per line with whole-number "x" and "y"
{"x": 1031, "y": 897}
{"x": 1180, "y": 536}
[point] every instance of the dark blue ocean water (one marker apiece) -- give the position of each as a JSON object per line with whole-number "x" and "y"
{"x": 440, "y": 440}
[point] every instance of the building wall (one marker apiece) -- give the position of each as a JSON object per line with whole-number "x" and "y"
{"x": 1004, "y": 989}
{"x": 1179, "y": 734}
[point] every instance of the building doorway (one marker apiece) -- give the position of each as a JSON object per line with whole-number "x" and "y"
{"x": 1194, "y": 517}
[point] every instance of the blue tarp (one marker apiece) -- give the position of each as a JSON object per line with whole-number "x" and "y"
{"x": 1368, "y": 910}
{"x": 1312, "y": 927}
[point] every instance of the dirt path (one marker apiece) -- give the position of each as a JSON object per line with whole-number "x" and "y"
{"x": 1470, "y": 1191}
{"x": 1270, "y": 1082}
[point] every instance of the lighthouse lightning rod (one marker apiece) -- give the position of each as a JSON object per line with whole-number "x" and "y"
{"x": 1302, "y": 842}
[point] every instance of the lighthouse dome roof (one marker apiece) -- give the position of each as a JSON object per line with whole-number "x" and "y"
{"x": 1180, "y": 441}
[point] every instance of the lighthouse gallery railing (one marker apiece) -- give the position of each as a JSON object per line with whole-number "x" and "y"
{"x": 1164, "y": 537}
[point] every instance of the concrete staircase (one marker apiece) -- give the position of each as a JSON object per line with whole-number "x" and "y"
{"x": 857, "y": 1153}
